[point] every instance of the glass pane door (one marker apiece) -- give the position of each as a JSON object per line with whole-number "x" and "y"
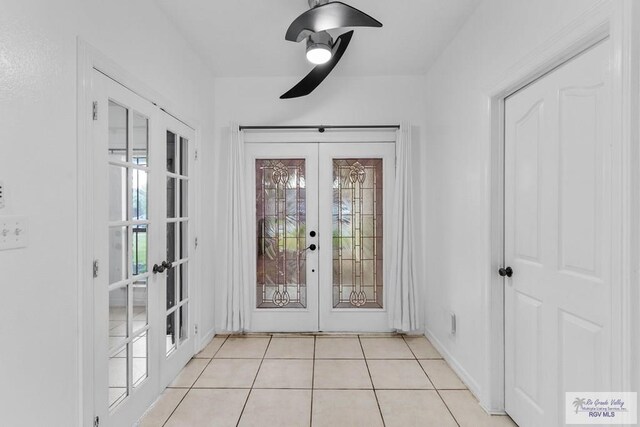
{"x": 356, "y": 181}
{"x": 125, "y": 373}
{"x": 177, "y": 227}
{"x": 283, "y": 184}
{"x": 176, "y": 266}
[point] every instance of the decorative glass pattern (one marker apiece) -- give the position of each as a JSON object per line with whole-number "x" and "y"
{"x": 357, "y": 233}
{"x": 281, "y": 240}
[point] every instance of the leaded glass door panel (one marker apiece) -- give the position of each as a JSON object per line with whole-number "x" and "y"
{"x": 284, "y": 187}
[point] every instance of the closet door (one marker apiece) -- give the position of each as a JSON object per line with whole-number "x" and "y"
{"x": 560, "y": 210}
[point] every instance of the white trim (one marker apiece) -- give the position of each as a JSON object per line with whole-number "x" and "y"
{"x": 88, "y": 60}
{"x": 605, "y": 19}
{"x": 109, "y": 68}
{"x": 310, "y": 135}
{"x": 453, "y": 363}
{"x": 206, "y": 339}
{"x": 85, "y": 237}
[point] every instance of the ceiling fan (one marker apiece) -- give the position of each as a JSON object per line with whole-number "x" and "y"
{"x": 322, "y": 50}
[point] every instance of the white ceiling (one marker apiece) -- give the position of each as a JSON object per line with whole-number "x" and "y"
{"x": 245, "y": 38}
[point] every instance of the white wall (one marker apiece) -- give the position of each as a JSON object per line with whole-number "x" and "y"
{"x": 40, "y": 332}
{"x": 457, "y": 222}
{"x": 340, "y": 100}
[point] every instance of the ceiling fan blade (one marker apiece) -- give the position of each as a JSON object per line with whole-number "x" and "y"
{"x": 320, "y": 72}
{"x": 327, "y": 17}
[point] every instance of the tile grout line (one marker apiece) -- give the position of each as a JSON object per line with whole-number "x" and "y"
{"x": 455, "y": 420}
{"x": 371, "y": 379}
{"x": 196, "y": 380}
{"x": 313, "y": 379}
{"x": 254, "y": 380}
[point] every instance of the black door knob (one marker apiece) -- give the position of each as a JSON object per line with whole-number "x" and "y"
{"x": 312, "y": 233}
{"x": 505, "y": 272}
{"x": 312, "y": 247}
{"x": 162, "y": 267}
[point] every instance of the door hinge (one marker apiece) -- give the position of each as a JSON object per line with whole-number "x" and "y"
{"x": 96, "y": 267}
{"x": 96, "y": 421}
{"x": 95, "y": 110}
{"x": 196, "y": 155}
{"x": 195, "y": 329}
{"x": 196, "y": 243}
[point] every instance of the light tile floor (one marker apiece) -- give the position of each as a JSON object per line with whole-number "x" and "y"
{"x": 303, "y": 380}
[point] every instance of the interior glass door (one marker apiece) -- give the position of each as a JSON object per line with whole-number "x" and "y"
{"x": 125, "y": 374}
{"x": 176, "y": 268}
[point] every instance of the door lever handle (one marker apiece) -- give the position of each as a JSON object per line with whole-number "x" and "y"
{"x": 311, "y": 247}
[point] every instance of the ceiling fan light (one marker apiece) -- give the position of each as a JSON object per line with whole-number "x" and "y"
{"x": 319, "y": 54}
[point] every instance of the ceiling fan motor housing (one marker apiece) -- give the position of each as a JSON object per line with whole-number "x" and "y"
{"x": 322, "y": 38}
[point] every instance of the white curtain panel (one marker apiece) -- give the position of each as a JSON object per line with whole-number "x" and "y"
{"x": 239, "y": 267}
{"x": 403, "y": 295}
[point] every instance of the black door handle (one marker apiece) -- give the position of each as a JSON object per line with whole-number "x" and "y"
{"x": 162, "y": 267}
{"x": 312, "y": 247}
{"x": 505, "y": 271}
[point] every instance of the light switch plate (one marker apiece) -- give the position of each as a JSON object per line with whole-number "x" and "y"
{"x": 13, "y": 232}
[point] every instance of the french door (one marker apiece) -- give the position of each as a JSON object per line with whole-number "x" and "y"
{"x": 320, "y": 217}
{"x": 142, "y": 167}
{"x": 176, "y": 268}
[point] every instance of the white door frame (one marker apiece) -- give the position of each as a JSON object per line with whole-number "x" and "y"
{"x": 351, "y": 136}
{"x": 619, "y": 21}
{"x": 88, "y": 60}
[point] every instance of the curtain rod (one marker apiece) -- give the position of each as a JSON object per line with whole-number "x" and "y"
{"x": 321, "y": 128}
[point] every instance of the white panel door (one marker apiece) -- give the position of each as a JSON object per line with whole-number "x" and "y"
{"x": 558, "y": 239}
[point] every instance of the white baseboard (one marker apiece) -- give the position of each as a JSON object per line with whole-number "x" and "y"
{"x": 205, "y": 340}
{"x": 473, "y": 386}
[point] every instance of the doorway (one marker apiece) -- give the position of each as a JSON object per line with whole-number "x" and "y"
{"x": 559, "y": 202}
{"x": 142, "y": 210}
{"x": 320, "y": 214}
